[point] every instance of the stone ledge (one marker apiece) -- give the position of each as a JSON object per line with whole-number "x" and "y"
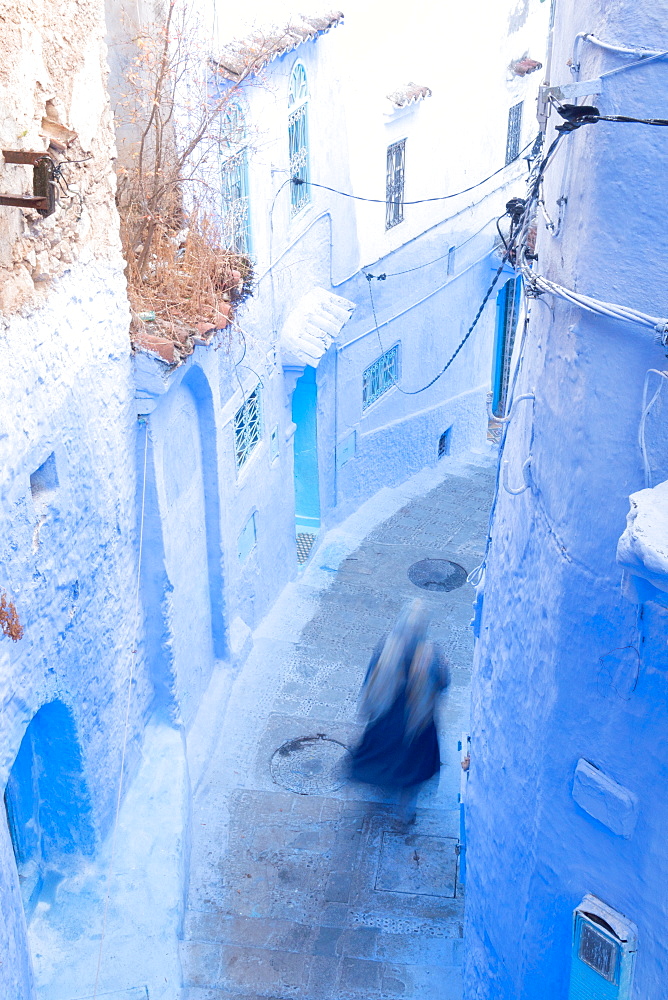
{"x": 604, "y": 799}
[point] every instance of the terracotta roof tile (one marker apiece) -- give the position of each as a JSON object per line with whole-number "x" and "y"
{"x": 409, "y": 94}
{"x": 525, "y": 66}
{"x": 246, "y": 57}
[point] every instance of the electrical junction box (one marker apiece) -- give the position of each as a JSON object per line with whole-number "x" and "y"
{"x": 603, "y": 955}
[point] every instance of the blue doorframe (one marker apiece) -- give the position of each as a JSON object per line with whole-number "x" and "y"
{"x": 507, "y": 312}
{"x": 304, "y": 416}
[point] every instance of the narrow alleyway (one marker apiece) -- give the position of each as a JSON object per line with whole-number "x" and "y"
{"x": 302, "y": 885}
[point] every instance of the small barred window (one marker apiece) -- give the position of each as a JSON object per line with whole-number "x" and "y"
{"x": 248, "y": 427}
{"x": 514, "y": 135}
{"x": 394, "y": 197}
{"x": 380, "y": 376}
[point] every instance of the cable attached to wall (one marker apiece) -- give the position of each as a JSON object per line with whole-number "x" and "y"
{"x": 577, "y": 115}
{"x": 646, "y": 407}
{"x": 415, "y": 392}
{"x": 126, "y": 727}
{"x": 428, "y": 263}
{"x": 515, "y": 210}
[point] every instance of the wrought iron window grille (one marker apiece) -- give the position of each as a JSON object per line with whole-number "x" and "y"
{"x": 248, "y": 427}
{"x": 236, "y": 204}
{"x": 380, "y": 376}
{"x": 514, "y": 135}
{"x": 298, "y": 147}
{"x": 235, "y": 220}
{"x": 394, "y": 187}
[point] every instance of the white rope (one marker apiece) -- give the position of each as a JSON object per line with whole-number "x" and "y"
{"x": 646, "y": 407}
{"x": 133, "y": 660}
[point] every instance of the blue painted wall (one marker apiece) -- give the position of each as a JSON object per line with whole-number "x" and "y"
{"x": 567, "y": 668}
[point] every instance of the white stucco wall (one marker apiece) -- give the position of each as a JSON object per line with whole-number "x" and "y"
{"x": 452, "y": 141}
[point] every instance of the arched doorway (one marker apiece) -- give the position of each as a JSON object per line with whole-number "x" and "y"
{"x": 47, "y": 802}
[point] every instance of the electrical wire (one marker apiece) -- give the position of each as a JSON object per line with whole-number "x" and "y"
{"x": 538, "y": 284}
{"x": 418, "y": 201}
{"x": 518, "y": 210}
{"x": 415, "y": 392}
{"x": 535, "y": 284}
{"x": 577, "y": 115}
{"x": 646, "y": 407}
{"x": 418, "y": 267}
{"x": 587, "y": 36}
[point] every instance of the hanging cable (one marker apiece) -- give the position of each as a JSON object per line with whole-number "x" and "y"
{"x": 516, "y": 210}
{"x": 126, "y": 727}
{"x": 646, "y": 407}
{"x": 418, "y": 201}
{"x": 577, "y": 115}
{"x": 418, "y": 267}
{"x": 415, "y": 392}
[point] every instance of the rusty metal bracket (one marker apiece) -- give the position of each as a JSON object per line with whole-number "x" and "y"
{"x": 43, "y": 198}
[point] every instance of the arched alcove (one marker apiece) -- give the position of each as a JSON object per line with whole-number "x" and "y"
{"x": 182, "y": 562}
{"x": 46, "y": 798}
{"x": 198, "y": 386}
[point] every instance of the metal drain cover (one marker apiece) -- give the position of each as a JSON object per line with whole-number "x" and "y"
{"x": 437, "y": 574}
{"x": 310, "y": 765}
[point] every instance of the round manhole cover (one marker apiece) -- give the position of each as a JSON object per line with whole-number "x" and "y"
{"x": 437, "y": 574}
{"x": 310, "y": 765}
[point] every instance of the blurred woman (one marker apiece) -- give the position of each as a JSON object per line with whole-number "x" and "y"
{"x": 399, "y": 749}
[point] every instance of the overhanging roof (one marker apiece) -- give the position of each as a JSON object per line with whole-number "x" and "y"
{"x": 246, "y": 57}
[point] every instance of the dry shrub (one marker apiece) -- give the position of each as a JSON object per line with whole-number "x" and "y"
{"x": 190, "y": 283}
{"x": 182, "y": 277}
{"x": 10, "y": 624}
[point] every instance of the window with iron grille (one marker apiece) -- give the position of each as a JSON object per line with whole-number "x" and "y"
{"x": 300, "y": 193}
{"x": 394, "y": 185}
{"x": 380, "y": 376}
{"x": 236, "y": 208}
{"x": 234, "y": 182}
{"x": 248, "y": 427}
{"x": 514, "y": 132}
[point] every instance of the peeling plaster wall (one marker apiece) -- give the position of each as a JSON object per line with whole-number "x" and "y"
{"x": 567, "y": 669}
{"x": 68, "y": 558}
{"x": 53, "y": 66}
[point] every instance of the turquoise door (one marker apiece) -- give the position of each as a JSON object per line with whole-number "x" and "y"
{"x": 304, "y": 415}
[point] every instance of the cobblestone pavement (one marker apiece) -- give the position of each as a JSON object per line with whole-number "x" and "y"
{"x": 323, "y": 894}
